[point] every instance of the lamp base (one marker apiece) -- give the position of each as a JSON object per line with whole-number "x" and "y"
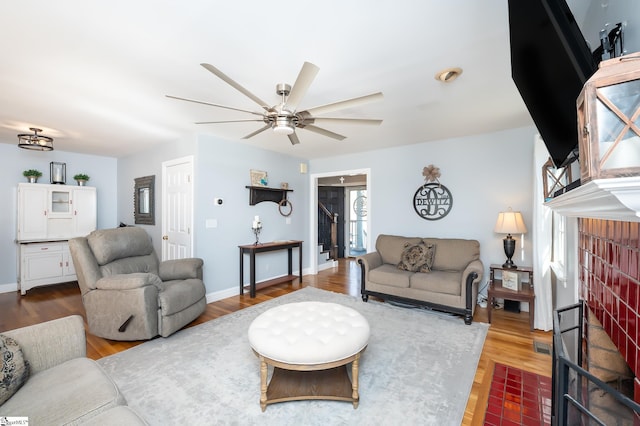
{"x": 509, "y": 245}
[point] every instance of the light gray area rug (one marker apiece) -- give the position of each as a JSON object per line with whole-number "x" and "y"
{"x": 418, "y": 369}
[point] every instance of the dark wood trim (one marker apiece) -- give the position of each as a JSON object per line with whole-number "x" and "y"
{"x": 258, "y": 194}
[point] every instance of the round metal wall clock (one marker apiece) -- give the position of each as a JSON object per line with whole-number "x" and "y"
{"x": 432, "y": 201}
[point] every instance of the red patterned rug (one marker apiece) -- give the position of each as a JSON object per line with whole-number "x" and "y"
{"x": 518, "y": 397}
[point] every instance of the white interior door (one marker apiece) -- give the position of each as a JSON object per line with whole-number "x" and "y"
{"x": 177, "y": 208}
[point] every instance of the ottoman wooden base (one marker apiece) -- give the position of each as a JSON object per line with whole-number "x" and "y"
{"x": 302, "y": 382}
{"x": 309, "y": 345}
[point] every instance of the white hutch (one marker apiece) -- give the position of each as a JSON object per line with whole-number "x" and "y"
{"x": 48, "y": 215}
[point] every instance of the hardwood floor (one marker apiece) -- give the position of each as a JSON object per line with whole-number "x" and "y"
{"x": 509, "y": 340}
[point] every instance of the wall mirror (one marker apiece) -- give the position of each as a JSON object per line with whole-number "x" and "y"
{"x": 143, "y": 200}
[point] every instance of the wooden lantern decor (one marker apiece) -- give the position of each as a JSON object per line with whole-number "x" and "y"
{"x": 609, "y": 120}
{"x": 555, "y": 180}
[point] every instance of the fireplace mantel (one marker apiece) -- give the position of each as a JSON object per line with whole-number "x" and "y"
{"x": 614, "y": 199}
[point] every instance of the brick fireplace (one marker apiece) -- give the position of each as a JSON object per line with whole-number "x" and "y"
{"x": 609, "y": 257}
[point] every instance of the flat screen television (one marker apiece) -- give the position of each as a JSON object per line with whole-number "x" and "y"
{"x": 550, "y": 62}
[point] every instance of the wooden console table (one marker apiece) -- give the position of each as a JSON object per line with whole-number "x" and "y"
{"x": 252, "y": 249}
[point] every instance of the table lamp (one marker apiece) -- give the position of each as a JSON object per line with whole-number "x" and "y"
{"x": 510, "y": 222}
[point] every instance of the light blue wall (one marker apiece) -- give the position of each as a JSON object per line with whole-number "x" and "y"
{"x": 102, "y": 170}
{"x": 222, "y": 171}
{"x": 486, "y": 174}
{"x": 148, "y": 163}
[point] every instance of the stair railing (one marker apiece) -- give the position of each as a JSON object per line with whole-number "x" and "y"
{"x": 328, "y": 236}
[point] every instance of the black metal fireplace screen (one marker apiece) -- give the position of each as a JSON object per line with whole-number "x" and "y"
{"x": 579, "y": 397}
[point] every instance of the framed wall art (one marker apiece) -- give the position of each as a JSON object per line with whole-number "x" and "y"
{"x": 144, "y": 200}
{"x": 258, "y": 178}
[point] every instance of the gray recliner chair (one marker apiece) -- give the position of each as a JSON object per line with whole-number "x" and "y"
{"x": 127, "y": 293}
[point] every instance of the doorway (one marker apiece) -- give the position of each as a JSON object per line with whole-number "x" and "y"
{"x": 331, "y": 207}
{"x": 356, "y": 241}
{"x": 177, "y": 208}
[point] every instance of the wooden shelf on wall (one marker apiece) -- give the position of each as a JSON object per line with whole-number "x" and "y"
{"x": 258, "y": 194}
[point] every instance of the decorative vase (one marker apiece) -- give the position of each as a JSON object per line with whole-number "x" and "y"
{"x": 81, "y": 182}
{"x": 32, "y": 179}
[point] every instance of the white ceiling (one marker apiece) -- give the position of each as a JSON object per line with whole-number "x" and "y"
{"x": 94, "y": 75}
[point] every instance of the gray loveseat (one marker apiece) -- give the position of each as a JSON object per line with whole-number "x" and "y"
{"x": 64, "y": 386}
{"x": 446, "y": 276}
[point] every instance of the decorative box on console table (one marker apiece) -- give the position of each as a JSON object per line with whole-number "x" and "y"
{"x": 609, "y": 120}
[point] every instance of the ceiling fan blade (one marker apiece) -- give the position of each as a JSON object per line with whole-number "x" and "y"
{"x": 250, "y": 135}
{"x": 323, "y": 132}
{"x": 229, "y": 121}
{"x": 349, "y": 103}
{"x": 300, "y": 87}
{"x": 235, "y": 85}
{"x": 328, "y": 120}
{"x": 294, "y": 139}
{"x": 215, "y": 105}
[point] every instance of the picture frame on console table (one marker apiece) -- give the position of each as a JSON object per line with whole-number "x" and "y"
{"x": 510, "y": 280}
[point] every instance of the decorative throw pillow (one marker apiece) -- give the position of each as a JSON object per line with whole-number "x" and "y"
{"x": 414, "y": 256}
{"x": 431, "y": 254}
{"x": 14, "y": 369}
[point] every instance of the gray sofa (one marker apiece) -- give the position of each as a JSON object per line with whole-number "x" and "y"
{"x": 127, "y": 293}
{"x": 64, "y": 386}
{"x": 441, "y": 273}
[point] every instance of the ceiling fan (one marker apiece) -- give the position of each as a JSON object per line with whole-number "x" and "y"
{"x": 284, "y": 118}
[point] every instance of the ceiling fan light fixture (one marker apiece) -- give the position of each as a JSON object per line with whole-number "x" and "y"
{"x": 283, "y": 126}
{"x": 35, "y": 142}
{"x": 448, "y": 75}
{"x": 285, "y": 117}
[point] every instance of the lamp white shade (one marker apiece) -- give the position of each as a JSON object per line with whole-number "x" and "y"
{"x": 510, "y": 222}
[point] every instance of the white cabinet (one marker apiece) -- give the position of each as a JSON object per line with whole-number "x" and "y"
{"x": 84, "y": 210}
{"x": 49, "y": 215}
{"x": 55, "y": 212}
{"x": 44, "y": 263}
{"x": 32, "y": 212}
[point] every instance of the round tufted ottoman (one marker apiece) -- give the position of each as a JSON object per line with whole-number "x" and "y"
{"x": 309, "y": 344}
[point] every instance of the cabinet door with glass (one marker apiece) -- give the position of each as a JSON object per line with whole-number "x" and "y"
{"x": 60, "y": 203}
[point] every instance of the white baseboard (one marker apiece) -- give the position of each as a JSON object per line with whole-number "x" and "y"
{"x": 330, "y": 264}
{"x": 222, "y": 294}
{"x": 235, "y": 290}
{"x": 8, "y": 288}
